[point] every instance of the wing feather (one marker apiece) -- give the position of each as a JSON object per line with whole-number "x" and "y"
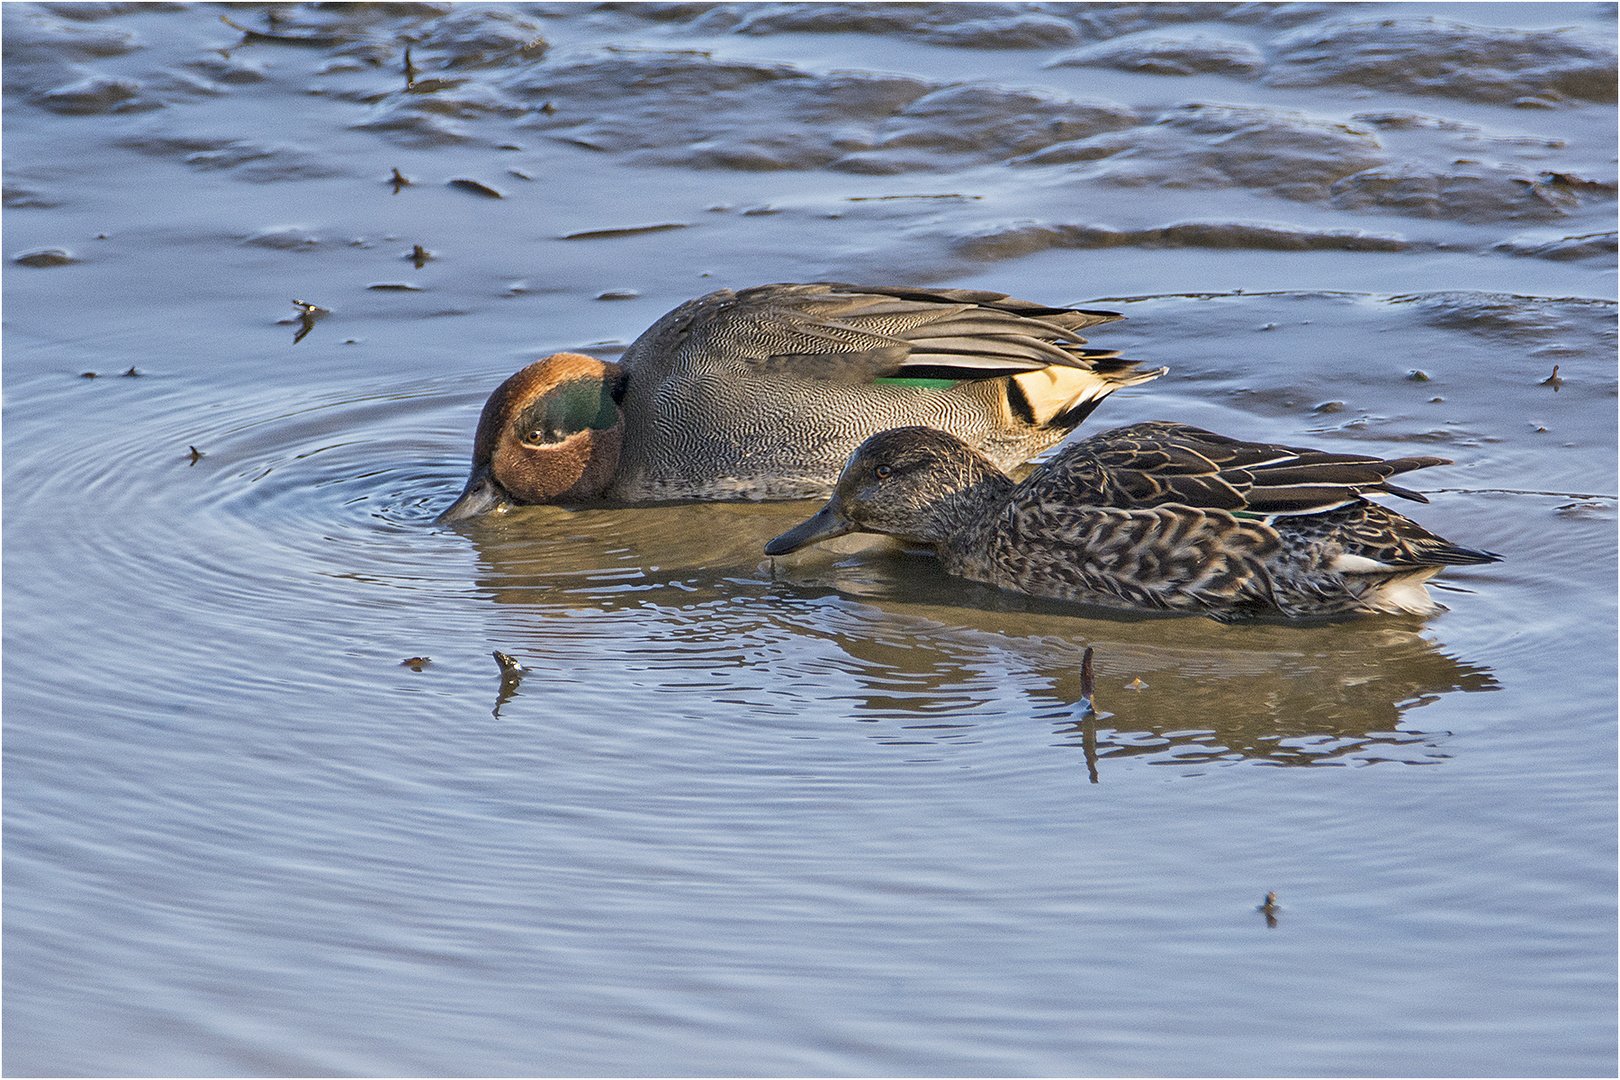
{"x": 1157, "y": 463}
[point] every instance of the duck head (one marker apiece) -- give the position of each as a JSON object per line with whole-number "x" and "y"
{"x": 914, "y": 483}
{"x": 549, "y": 434}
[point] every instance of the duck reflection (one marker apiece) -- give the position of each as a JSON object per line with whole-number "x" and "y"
{"x": 1337, "y": 696}
{"x": 888, "y": 639}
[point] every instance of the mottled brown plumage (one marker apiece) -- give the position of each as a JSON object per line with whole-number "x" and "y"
{"x": 1157, "y": 516}
{"x": 763, "y": 394}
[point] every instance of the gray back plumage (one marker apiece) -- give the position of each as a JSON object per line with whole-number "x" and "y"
{"x": 764, "y": 393}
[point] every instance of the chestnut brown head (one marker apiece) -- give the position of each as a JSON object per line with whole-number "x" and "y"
{"x": 549, "y": 434}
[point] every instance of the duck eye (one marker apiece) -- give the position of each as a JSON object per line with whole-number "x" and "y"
{"x": 536, "y": 436}
{"x": 883, "y": 472}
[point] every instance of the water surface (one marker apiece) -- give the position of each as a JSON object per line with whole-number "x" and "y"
{"x": 835, "y": 814}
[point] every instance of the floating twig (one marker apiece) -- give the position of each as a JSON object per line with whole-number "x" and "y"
{"x": 1553, "y": 380}
{"x": 399, "y": 180}
{"x": 416, "y": 663}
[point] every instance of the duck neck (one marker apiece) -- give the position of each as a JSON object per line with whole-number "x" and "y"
{"x": 965, "y": 511}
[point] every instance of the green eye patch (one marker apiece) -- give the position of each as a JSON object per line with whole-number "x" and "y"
{"x": 566, "y": 409}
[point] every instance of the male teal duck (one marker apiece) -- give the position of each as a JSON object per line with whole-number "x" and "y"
{"x": 1153, "y": 517}
{"x": 763, "y": 394}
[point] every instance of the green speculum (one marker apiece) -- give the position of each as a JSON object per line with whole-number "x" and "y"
{"x": 926, "y": 384}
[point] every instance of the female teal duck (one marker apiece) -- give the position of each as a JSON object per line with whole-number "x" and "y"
{"x": 763, "y": 394}
{"x": 1156, "y": 516}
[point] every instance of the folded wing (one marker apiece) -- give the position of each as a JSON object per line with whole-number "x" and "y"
{"x": 1156, "y": 463}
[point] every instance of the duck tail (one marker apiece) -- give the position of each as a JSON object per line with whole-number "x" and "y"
{"x": 1445, "y": 553}
{"x": 1060, "y": 398}
{"x": 1404, "y": 594}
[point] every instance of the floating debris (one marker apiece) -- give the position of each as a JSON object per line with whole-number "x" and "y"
{"x": 619, "y": 294}
{"x": 1417, "y": 376}
{"x": 410, "y": 70}
{"x": 633, "y": 230}
{"x": 88, "y": 375}
{"x": 131, "y": 373}
{"x": 419, "y": 256}
{"x": 416, "y": 663}
{"x": 1136, "y": 684}
{"x": 433, "y": 86}
{"x": 476, "y": 188}
{"x": 399, "y": 180}
{"x": 1328, "y": 407}
{"x": 1269, "y": 909}
{"x": 46, "y": 257}
{"x": 1088, "y": 684}
{"x": 195, "y": 455}
{"x": 1553, "y": 380}
{"x": 512, "y": 674}
{"x": 888, "y": 198}
{"x": 308, "y": 315}
{"x": 273, "y": 38}
{"x": 394, "y": 286}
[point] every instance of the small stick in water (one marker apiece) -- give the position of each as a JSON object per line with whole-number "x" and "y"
{"x": 1553, "y": 380}
{"x": 399, "y": 180}
{"x": 1088, "y": 684}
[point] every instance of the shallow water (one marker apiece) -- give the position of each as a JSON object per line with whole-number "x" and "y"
{"x": 835, "y": 814}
